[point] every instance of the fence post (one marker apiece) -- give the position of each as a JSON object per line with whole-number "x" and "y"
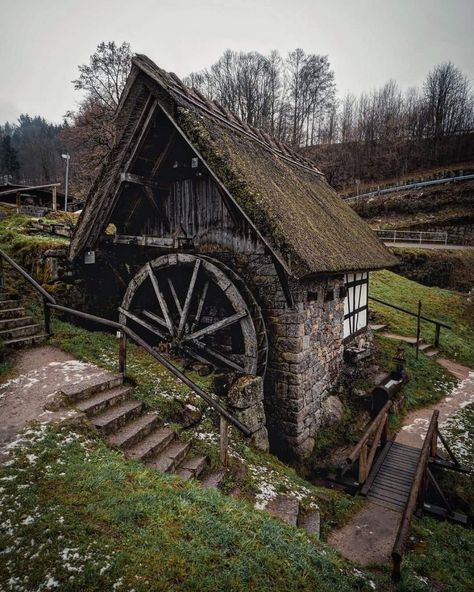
{"x": 418, "y": 328}
{"x": 437, "y": 332}
{"x": 223, "y": 441}
{"x": 394, "y": 236}
{"x": 363, "y": 464}
{"x": 123, "y": 354}
{"x": 47, "y": 318}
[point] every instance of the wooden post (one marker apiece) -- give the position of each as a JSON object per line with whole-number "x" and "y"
{"x": 123, "y": 354}
{"x": 55, "y": 199}
{"x": 47, "y": 318}
{"x": 223, "y": 441}
{"x": 437, "y": 332}
{"x": 18, "y": 202}
{"x": 384, "y": 437}
{"x": 418, "y": 329}
{"x": 363, "y": 465}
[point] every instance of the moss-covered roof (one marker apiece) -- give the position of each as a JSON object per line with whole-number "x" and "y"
{"x": 284, "y": 195}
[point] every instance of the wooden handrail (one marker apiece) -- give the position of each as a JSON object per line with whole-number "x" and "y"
{"x": 50, "y": 303}
{"x": 28, "y": 278}
{"x": 371, "y": 428}
{"x": 409, "y": 312}
{"x": 416, "y": 495}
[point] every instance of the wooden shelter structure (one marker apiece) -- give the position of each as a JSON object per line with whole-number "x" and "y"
{"x": 229, "y": 246}
{"x": 36, "y": 199}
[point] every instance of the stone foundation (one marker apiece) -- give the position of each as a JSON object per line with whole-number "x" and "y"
{"x": 305, "y": 352}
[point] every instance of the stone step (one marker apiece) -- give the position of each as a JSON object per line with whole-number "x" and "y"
{"x": 311, "y": 522}
{"x": 117, "y": 416}
{"x": 284, "y": 507}
{"x": 376, "y": 328}
{"x": 8, "y": 296}
{"x": 170, "y": 457}
{"x": 432, "y": 352}
{"x": 25, "y": 341}
{"x": 22, "y": 331}
{"x": 101, "y": 401}
{"x": 153, "y": 444}
{"x": 12, "y": 313}
{"x": 424, "y": 346}
{"x": 10, "y": 303}
{"x": 134, "y": 431}
{"x": 192, "y": 466}
{"x": 79, "y": 391}
{"x": 213, "y": 478}
{"x": 18, "y": 322}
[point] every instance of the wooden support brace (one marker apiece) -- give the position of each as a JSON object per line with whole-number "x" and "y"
{"x": 223, "y": 441}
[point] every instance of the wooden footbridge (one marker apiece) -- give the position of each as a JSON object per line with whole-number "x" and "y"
{"x": 399, "y": 477}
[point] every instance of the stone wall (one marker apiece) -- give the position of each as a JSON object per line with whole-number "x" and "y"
{"x": 305, "y": 352}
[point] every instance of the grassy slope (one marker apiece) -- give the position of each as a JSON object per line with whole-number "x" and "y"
{"x": 446, "y": 268}
{"x": 444, "y": 305}
{"x": 78, "y": 517}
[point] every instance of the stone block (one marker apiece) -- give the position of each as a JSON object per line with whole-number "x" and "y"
{"x": 245, "y": 392}
{"x": 253, "y": 417}
{"x": 332, "y": 410}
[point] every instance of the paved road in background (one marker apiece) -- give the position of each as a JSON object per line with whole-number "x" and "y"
{"x": 428, "y": 246}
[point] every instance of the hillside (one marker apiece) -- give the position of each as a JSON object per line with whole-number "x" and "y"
{"x": 443, "y": 207}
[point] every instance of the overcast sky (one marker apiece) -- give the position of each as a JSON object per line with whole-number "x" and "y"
{"x": 368, "y": 41}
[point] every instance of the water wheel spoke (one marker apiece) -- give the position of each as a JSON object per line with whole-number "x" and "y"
{"x": 189, "y": 295}
{"x": 200, "y": 305}
{"x": 156, "y": 318}
{"x": 161, "y": 299}
{"x": 175, "y": 297}
{"x": 143, "y": 323}
{"x": 217, "y": 326}
{"x": 204, "y": 348}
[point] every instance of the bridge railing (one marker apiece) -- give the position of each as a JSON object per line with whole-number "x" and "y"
{"x": 417, "y": 495}
{"x": 413, "y": 236}
{"x": 365, "y": 450}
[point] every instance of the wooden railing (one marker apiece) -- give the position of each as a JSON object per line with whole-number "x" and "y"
{"x": 49, "y": 304}
{"x": 418, "y": 315}
{"x": 417, "y": 494}
{"x": 366, "y": 448}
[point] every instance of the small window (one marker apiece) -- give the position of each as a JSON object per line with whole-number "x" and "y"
{"x": 329, "y": 296}
{"x": 342, "y": 292}
{"x": 312, "y": 296}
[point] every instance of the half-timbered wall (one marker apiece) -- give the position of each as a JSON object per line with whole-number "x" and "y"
{"x": 356, "y": 303}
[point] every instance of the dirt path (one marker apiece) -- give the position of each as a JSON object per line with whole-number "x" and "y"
{"x": 416, "y": 422}
{"x": 40, "y": 373}
{"x": 370, "y": 536}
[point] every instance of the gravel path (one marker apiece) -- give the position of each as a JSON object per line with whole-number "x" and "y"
{"x": 39, "y": 374}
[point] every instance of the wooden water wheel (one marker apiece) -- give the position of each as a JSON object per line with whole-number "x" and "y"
{"x": 198, "y": 306}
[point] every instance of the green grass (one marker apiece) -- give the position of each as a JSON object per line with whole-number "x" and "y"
{"x": 78, "y": 516}
{"x": 443, "y": 305}
{"x": 252, "y": 471}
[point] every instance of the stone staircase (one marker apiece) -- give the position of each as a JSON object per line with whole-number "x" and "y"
{"x": 16, "y": 328}
{"x": 427, "y": 348}
{"x": 126, "y": 424}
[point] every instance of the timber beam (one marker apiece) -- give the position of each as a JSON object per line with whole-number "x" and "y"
{"x": 139, "y": 180}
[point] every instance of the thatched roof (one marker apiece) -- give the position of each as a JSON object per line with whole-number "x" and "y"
{"x": 283, "y": 195}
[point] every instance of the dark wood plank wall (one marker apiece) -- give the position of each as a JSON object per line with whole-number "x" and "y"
{"x": 192, "y": 209}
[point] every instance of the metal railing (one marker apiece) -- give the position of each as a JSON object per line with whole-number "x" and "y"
{"x": 404, "y": 187}
{"x": 49, "y": 304}
{"x": 413, "y": 236}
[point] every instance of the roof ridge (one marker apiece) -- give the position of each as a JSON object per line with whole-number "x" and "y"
{"x": 214, "y": 109}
